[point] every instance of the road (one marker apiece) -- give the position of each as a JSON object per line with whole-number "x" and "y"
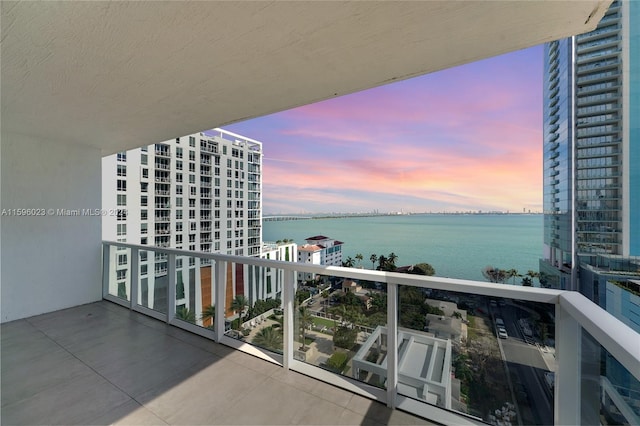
{"x": 526, "y": 364}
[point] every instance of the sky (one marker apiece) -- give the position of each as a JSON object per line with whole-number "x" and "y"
{"x": 464, "y": 139}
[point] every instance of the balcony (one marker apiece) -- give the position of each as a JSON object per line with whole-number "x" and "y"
{"x": 522, "y": 361}
{"x": 131, "y": 95}
{"x": 164, "y": 375}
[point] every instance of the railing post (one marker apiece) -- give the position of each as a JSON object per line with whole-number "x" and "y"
{"x": 220, "y": 290}
{"x": 567, "y": 376}
{"x": 106, "y": 267}
{"x": 171, "y": 287}
{"x": 392, "y": 344}
{"x": 288, "y": 297}
{"x": 133, "y": 265}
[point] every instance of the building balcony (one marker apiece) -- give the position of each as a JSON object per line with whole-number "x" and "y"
{"x": 402, "y": 374}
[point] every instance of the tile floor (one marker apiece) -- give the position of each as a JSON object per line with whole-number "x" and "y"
{"x": 102, "y": 364}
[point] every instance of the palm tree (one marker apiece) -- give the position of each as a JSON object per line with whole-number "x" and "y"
{"x": 209, "y": 313}
{"x": 305, "y": 319}
{"x": 513, "y": 273}
{"x": 392, "y": 261}
{"x": 382, "y": 262}
{"x": 348, "y": 263}
{"x": 373, "y": 258}
{"x": 359, "y": 258}
{"x": 237, "y": 305}
{"x": 186, "y": 314}
{"x": 269, "y": 338}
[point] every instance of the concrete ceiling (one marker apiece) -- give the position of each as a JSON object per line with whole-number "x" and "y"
{"x": 118, "y": 75}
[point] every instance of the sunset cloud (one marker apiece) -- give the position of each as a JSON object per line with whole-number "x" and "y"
{"x": 469, "y": 138}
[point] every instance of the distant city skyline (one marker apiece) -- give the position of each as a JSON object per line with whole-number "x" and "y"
{"x": 466, "y": 138}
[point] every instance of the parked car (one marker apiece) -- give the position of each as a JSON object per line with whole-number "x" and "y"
{"x": 499, "y": 322}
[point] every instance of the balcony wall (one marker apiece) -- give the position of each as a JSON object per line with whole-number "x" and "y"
{"x": 49, "y": 261}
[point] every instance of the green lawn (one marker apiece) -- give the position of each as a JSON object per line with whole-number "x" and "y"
{"x": 324, "y": 322}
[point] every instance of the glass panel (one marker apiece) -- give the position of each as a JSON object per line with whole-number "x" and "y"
{"x": 340, "y": 325}
{"x": 187, "y": 268}
{"x": 254, "y": 305}
{"x": 120, "y": 272}
{"x": 152, "y": 280}
{"x": 488, "y": 357}
{"x": 610, "y": 394}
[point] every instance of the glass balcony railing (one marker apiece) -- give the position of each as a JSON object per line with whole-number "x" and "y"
{"x": 452, "y": 351}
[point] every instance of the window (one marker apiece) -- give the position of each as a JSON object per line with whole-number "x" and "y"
{"x": 179, "y": 239}
{"x": 192, "y": 141}
{"x": 143, "y": 228}
{"x": 192, "y": 261}
{"x": 145, "y": 173}
{"x": 143, "y": 241}
{"x": 192, "y": 247}
{"x": 122, "y": 185}
{"x": 192, "y": 203}
{"x": 143, "y": 269}
{"x": 121, "y": 214}
{"x": 192, "y": 167}
{"x": 179, "y": 227}
{"x": 143, "y": 159}
{"x": 178, "y": 263}
{"x": 178, "y": 214}
{"x": 192, "y": 179}
{"x": 178, "y": 177}
{"x": 179, "y": 202}
{"x": 122, "y": 229}
{"x": 224, "y": 149}
{"x": 192, "y": 191}
{"x": 122, "y": 290}
{"x": 122, "y": 170}
{"x": 122, "y": 199}
{"x": 143, "y": 215}
{"x": 217, "y": 181}
{"x": 178, "y": 165}
{"x": 122, "y": 259}
{"x": 192, "y": 155}
{"x": 122, "y": 156}
{"x": 143, "y": 200}
{"x": 178, "y": 152}
{"x": 217, "y": 235}
{"x": 143, "y": 256}
{"x": 217, "y": 171}
{"x": 192, "y": 226}
{"x": 192, "y": 214}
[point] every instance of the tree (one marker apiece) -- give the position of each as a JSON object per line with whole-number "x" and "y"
{"x": 209, "y": 313}
{"x": 422, "y": 269}
{"x": 186, "y": 314}
{"x": 345, "y": 337}
{"x": 513, "y": 273}
{"x": 373, "y": 258}
{"x": 391, "y": 261}
{"x": 382, "y": 262}
{"x": 526, "y": 282}
{"x": 359, "y": 258}
{"x": 269, "y": 338}
{"x": 237, "y": 305}
{"x": 494, "y": 275}
{"x": 348, "y": 263}
{"x": 305, "y": 319}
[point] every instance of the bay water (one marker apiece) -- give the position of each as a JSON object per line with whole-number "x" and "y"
{"x": 457, "y": 246}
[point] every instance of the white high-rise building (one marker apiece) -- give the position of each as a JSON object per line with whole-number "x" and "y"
{"x": 200, "y": 192}
{"x": 319, "y": 250}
